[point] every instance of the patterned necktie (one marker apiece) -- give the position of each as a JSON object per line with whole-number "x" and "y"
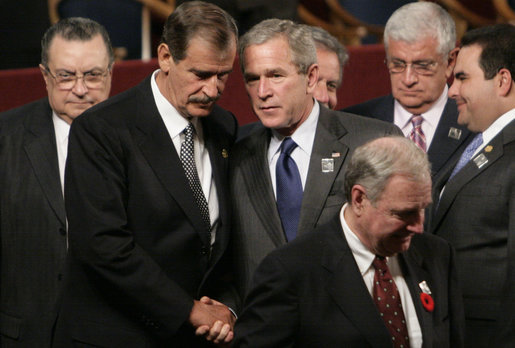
{"x": 467, "y": 154}
{"x": 417, "y": 135}
{"x": 388, "y": 302}
{"x": 289, "y": 189}
{"x": 188, "y": 163}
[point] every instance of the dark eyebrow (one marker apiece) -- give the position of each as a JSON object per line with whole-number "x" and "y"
{"x": 459, "y": 75}
{"x": 206, "y": 74}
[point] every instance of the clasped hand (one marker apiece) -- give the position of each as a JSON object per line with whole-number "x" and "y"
{"x": 213, "y": 320}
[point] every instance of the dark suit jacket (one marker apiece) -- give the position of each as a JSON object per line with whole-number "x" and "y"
{"x": 257, "y": 227}
{"x": 443, "y": 149}
{"x": 139, "y": 249}
{"x": 476, "y": 214}
{"x": 310, "y": 293}
{"x": 32, "y": 226}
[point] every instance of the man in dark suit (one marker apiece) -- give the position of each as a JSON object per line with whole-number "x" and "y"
{"x": 146, "y": 198}
{"x": 420, "y": 40}
{"x": 476, "y": 209}
{"x": 76, "y": 63}
{"x": 279, "y": 65}
{"x": 369, "y": 277}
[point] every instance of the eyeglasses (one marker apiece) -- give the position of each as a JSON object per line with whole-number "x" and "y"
{"x": 92, "y": 79}
{"x": 423, "y": 67}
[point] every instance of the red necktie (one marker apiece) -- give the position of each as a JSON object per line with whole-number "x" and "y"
{"x": 417, "y": 135}
{"x": 387, "y": 299}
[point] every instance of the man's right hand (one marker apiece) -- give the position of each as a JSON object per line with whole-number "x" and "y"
{"x": 213, "y": 320}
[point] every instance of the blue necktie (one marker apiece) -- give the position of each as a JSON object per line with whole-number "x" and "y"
{"x": 289, "y": 189}
{"x": 467, "y": 154}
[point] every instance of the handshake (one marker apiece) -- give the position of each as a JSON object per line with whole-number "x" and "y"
{"x": 213, "y": 320}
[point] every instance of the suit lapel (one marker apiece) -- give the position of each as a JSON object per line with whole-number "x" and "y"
{"x": 444, "y": 142}
{"x": 41, "y": 149}
{"x": 414, "y": 273}
{"x": 256, "y": 174}
{"x": 328, "y": 144}
{"x": 348, "y": 290}
{"x": 219, "y": 164}
{"x": 157, "y": 147}
{"x": 469, "y": 172}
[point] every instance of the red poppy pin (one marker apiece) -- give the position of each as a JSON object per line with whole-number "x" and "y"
{"x": 425, "y": 297}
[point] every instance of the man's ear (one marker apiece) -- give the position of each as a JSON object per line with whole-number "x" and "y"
{"x": 44, "y": 72}
{"x": 164, "y": 57}
{"x": 312, "y": 77}
{"x": 359, "y": 198}
{"x": 451, "y": 62}
{"x": 504, "y": 82}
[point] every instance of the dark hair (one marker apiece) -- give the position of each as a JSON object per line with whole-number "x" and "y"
{"x": 498, "y": 44}
{"x": 197, "y": 17}
{"x": 75, "y": 28}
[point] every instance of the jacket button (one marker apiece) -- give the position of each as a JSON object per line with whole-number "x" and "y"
{"x": 62, "y": 231}
{"x": 204, "y": 250}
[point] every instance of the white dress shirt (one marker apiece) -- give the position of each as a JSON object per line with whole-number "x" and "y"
{"x": 431, "y": 118}
{"x": 495, "y": 128}
{"x": 175, "y": 124}
{"x": 62, "y": 129}
{"x": 364, "y": 259}
{"x": 304, "y": 136}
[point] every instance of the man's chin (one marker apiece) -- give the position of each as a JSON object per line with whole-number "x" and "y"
{"x": 200, "y": 110}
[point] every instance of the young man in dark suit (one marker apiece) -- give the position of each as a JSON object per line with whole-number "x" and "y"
{"x": 279, "y": 63}
{"x": 367, "y": 278}
{"x": 76, "y": 63}
{"x": 476, "y": 194}
{"x": 420, "y": 41}
{"x": 146, "y": 198}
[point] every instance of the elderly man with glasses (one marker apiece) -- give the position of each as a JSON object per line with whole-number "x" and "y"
{"x": 76, "y": 63}
{"x": 420, "y": 43}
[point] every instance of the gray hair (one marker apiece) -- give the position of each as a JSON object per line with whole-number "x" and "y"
{"x": 325, "y": 41}
{"x": 302, "y": 47}
{"x": 375, "y": 162}
{"x": 418, "y": 20}
{"x": 75, "y": 29}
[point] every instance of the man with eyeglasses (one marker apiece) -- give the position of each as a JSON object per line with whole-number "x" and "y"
{"x": 420, "y": 41}
{"x": 76, "y": 63}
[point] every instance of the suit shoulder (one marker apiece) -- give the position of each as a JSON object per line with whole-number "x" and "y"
{"x": 370, "y": 107}
{"x": 431, "y": 245}
{"x": 14, "y": 118}
{"x": 364, "y": 125}
{"x": 308, "y": 248}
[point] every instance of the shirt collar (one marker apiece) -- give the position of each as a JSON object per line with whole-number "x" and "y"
{"x": 362, "y": 255}
{"x": 431, "y": 116}
{"x": 498, "y": 125}
{"x": 304, "y": 136}
{"x": 174, "y": 122}
{"x": 61, "y": 127}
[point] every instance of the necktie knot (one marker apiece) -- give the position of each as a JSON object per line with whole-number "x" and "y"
{"x": 416, "y": 121}
{"x": 417, "y": 134}
{"x": 288, "y": 146}
{"x": 379, "y": 263}
{"x": 188, "y": 131}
